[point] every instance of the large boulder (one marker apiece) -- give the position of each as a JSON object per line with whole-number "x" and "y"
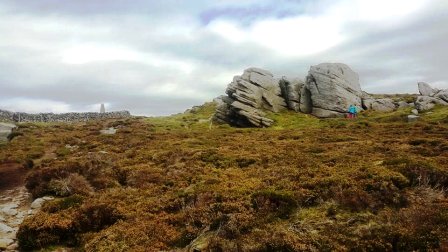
{"x": 426, "y": 90}
{"x": 5, "y": 130}
{"x": 247, "y": 96}
{"x": 292, "y": 92}
{"x": 442, "y": 94}
{"x": 403, "y": 104}
{"x": 430, "y": 97}
{"x": 383, "y": 104}
{"x": 332, "y": 88}
{"x": 426, "y": 103}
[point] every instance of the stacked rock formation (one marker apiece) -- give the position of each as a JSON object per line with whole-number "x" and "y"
{"x": 328, "y": 90}
{"x": 247, "y": 96}
{"x": 429, "y": 97}
{"x": 333, "y": 88}
{"x": 296, "y": 96}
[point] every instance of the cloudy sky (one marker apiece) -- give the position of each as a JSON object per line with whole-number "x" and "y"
{"x": 162, "y": 57}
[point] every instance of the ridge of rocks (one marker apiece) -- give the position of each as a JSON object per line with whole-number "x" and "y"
{"x": 327, "y": 91}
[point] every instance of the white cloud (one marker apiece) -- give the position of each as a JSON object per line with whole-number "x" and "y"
{"x": 82, "y": 54}
{"x": 384, "y": 10}
{"x": 90, "y": 53}
{"x": 228, "y": 30}
{"x": 376, "y": 14}
{"x": 34, "y": 105}
{"x": 298, "y": 36}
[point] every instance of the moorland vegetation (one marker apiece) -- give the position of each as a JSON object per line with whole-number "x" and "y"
{"x": 377, "y": 183}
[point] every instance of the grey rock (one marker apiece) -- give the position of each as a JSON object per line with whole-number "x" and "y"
{"x": 219, "y": 100}
{"x": 9, "y": 211}
{"x": 109, "y": 131}
{"x": 366, "y": 95}
{"x": 291, "y": 91}
{"x": 323, "y": 113}
{"x": 247, "y": 96}
{"x": 443, "y": 95}
{"x": 403, "y": 104}
{"x": 13, "y": 247}
{"x": 47, "y": 198}
{"x": 254, "y": 116}
{"x": 384, "y": 105}
{"x": 367, "y": 103}
{"x": 5, "y": 242}
{"x": 37, "y": 203}
{"x": 426, "y": 90}
{"x": 414, "y": 111}
{"x": 10, "y": 206}
{"x": 413, "y": 118}
{"x": 333, "y": 87}
{"x": 202, "y": 242}
{"x": 5, "y": 228}
{"x": 5, "y": 130}
{"x": 306, "y": 104}
{"x": 424, "y": 103}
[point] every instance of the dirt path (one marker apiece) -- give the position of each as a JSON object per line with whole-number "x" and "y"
{"x": 15, "y": 203}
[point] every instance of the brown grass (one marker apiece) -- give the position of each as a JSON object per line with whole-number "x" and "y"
{"x": 367, "y": 184}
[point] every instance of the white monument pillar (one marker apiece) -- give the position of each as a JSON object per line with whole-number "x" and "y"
{"x": 102, "y": 109}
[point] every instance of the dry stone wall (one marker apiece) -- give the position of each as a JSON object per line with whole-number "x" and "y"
{"x": 65, "y": 117}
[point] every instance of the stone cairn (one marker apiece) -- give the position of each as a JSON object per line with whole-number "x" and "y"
{"x": 102, "y": 109}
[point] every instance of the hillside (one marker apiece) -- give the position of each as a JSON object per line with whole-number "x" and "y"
{"x": 182, "y": 183}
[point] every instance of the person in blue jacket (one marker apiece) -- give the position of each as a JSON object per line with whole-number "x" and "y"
{"x": 352, "y": 111}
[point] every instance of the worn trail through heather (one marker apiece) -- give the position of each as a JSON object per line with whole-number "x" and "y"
{"x": 15, "y": 203}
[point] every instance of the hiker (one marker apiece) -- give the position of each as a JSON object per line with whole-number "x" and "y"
{"x": 352, "y": 111}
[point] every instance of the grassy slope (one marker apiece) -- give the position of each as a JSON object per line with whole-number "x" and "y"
{"x": 305, "y": 184}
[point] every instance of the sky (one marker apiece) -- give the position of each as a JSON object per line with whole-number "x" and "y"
{"x": 163, "y": 57}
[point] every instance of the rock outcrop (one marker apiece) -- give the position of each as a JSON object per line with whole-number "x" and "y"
{"x": 333, "y": 88}
{"x": 247, "y": 96}
{"x": 430, "y": 97}
{"x": 292, "y": 91}
{"x": 328, "y": 90}
{"x": 383, "y": 104}
{"x": 5, "y": 130}
{"x": 426, "y": 90}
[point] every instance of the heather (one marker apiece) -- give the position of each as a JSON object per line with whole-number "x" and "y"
{"x": 179, "y": 183}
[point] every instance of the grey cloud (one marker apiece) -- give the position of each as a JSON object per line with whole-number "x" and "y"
{"x": 388, "y": 59}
